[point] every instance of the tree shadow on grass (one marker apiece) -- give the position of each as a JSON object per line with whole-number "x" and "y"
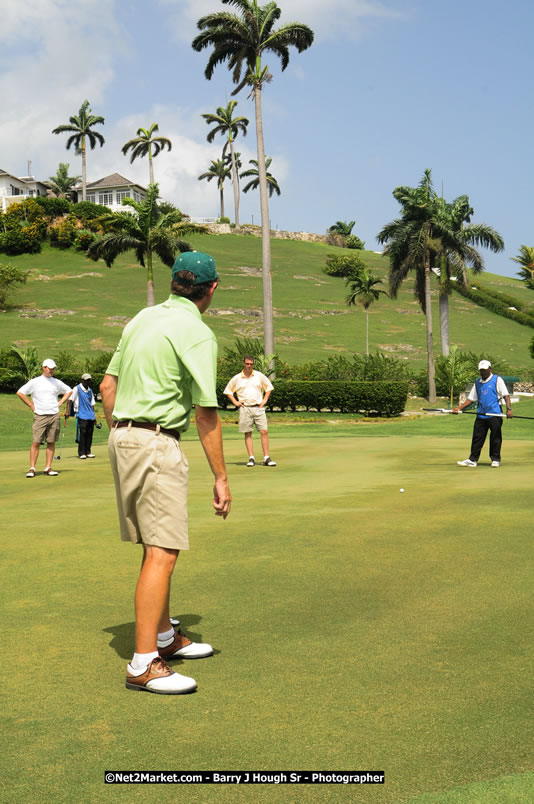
{"x": 123, "y": 634}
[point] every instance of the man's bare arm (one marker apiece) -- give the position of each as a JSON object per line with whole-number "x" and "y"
{"x": 234, "y": 401}
{"x": 26, "y": 400}
{"x": 210, "y": 434}
{"x": 108, "y": 389}
{"x": 265, "y": 399}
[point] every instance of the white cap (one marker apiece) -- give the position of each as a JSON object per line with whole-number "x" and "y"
{"x": 484, "y": 364}
{"x": 49, "y": 363}
{"x": 86, "y": 377}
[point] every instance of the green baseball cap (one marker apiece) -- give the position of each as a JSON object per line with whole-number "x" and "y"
{"x": 197, "y": 263}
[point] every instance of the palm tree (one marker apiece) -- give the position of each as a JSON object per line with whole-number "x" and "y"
{"x": 230, "y": 126}
{"x": 61, "y": 184}
{"x": 342, "y": 227}
{"x": 460, "y": 253}
{"x": 147, "y": 145}
{"x": 364, "y": 291}
{"x": 272, "y": 184}
{"x": 220, "y": 170}
{"x": 241, "y": 40}
{"x": 147, "y": 231}
{"x": 80, "y": 127}
{"x": 525, "y": 259}
{"x": 410, "y": 244}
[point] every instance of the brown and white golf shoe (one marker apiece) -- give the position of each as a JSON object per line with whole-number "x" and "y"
{"x": 159, "y": 678}
{"x": 182, "y": 648}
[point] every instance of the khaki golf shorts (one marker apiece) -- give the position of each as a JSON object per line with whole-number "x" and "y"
{"x": 150, "y": 472}
{"x": 45, "y": 428}
{"x": 248, "y": 417}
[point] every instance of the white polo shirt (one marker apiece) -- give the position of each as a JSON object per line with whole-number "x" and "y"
{"x": 249, "y": 390}
{"x": 44, "y": 392}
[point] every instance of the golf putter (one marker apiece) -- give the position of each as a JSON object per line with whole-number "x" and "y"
{"x": 58, "y": 456}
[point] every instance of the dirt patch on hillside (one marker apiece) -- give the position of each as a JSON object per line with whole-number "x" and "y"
{"x": 45, "y": 278}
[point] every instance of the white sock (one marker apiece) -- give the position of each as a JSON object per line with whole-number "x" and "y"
{"x": 166, "y": 637}
{"x": 140, "y": 662}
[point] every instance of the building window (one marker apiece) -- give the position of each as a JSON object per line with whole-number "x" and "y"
{"x": 91, "y": 197}
{"x": 105, "y": 199}
{"x": 15, "y": 190}
{"x": 122, "y": 194}
{"x": 136, "y": 196}
{"x": 30, "y": 193}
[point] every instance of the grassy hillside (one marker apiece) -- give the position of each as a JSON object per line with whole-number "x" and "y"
{"x": 74, "y": 304}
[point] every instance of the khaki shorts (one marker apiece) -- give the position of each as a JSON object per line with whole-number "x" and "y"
{"x": 150, "y": 473}
{"x": 248, "y": 417}
{"x": 45, "y": 428}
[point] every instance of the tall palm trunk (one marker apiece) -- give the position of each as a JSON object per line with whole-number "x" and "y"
{"x": 150, "y": 166}
{"x": 84, "y": 170}
{"x": 235, "y": 183}
{"x": 444, "y": 308}
{"x": 268, "y": 333}
{"x": 150, "y": 297}
{"x": 444, "y": 323}
{"x": 367, "y": 331}
{"x": 221, "y": 190}
{"x": 429, "y": 341}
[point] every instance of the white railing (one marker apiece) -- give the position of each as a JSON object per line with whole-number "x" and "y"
{"x": 203, "y": 220}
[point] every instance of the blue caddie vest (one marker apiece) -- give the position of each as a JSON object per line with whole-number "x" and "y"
{"x": 488, "y": 400}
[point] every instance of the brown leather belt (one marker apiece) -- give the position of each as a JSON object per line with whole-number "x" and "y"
{"x": 150, "y": 426}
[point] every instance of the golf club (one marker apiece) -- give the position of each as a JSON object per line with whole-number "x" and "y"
{"x": 475, "y": 413}
{"x": 58, "y": 456}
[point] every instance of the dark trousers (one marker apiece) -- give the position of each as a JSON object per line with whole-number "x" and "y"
{"x": 85, "y": 435}
{"x": 480, "y": 431}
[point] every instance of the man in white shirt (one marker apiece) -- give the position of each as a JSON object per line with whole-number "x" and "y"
{"x": 249, "y": 391}
{"x": 44, "y": 392}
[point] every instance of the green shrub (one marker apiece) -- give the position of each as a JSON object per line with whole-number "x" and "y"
{"x": 353, "y": 241}
{"x": 54, "y": 207}
{"x": 83, "y": 240}
{"x": 497, "y": 302}
{"x": 98, "y": 363}
{"x": 377, "y": 398}
{"x": 88, "y": 211}
{"x": 10, "y": 275}
{"x": 21, "y": 240}
{"x": 224, "y": 219}
{"x": 343, "y": 265}
{"x": 63, "y": 235}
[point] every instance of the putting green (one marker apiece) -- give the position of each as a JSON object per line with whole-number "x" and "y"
{"x": 355, "y": 627}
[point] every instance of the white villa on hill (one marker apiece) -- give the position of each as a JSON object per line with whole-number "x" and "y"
{"x": 110, "y": 191}
{"x": 17, "y": 188}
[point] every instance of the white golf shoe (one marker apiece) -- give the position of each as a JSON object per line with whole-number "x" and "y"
{"x": 495, "y": 464}
{"x": 467, "y": 462}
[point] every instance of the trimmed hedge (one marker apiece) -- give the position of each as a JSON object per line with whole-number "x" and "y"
{"x": 497, "y": 302}
{"x": 11, "y": 381}
{"x": 380, "y": 398}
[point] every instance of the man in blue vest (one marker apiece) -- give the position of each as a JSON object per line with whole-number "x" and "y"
{"x": 487, "y": 391}
{"x": 83, "y": 403}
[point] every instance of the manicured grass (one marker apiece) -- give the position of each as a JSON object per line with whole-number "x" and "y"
{"x": 90, "y": 304}
{"x": 355, "y": 627}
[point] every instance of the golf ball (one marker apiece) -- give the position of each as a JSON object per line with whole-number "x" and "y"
{"x": 401, "y": 490}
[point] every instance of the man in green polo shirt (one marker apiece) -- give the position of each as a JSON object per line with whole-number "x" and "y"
{"x": 165, "y": 363}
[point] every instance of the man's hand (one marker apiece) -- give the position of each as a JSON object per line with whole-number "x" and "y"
{"x": 509, "y": 414}
{"x": 222, "y": 499}
{"x": 457, "y": 410}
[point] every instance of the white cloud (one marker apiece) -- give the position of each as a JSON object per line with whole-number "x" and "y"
{"x": 53, "y": 55}
{"x": 327, "y": 18}
{"x": 176, "y": 171}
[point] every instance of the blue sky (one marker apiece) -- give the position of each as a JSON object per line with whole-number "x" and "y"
{"x": 388, "y": 89}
